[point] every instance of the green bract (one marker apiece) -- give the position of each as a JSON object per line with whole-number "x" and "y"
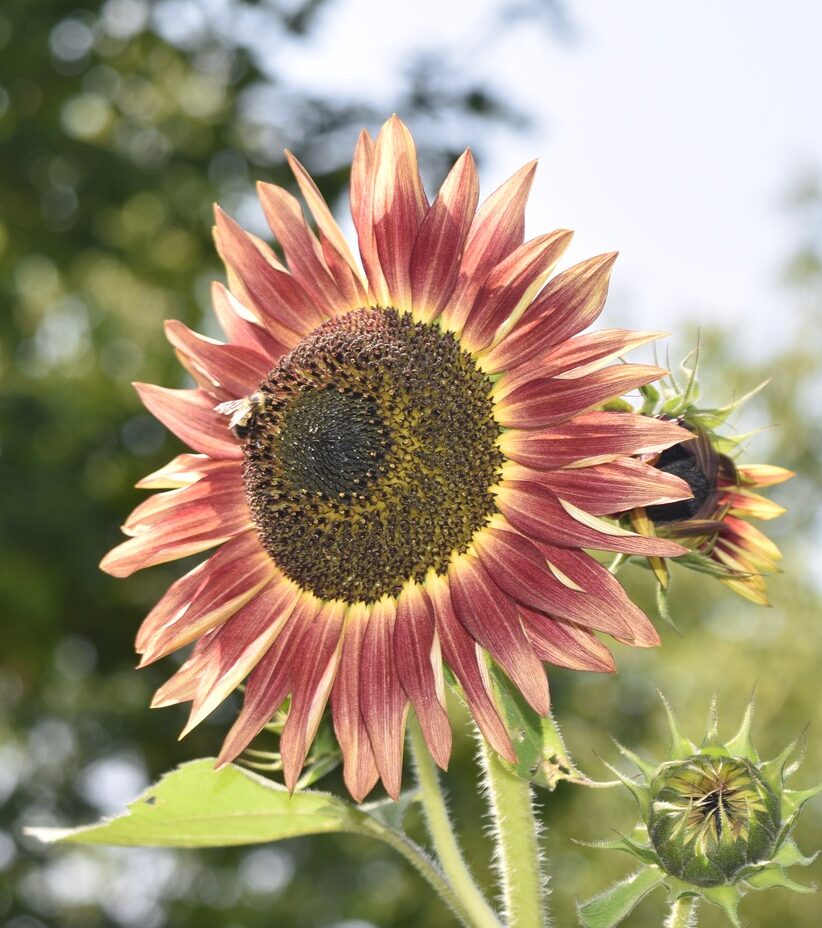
{"x": 716, "y": 822}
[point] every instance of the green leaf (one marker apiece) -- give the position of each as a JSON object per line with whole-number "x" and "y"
{"x": 542, "y": 757}
{"x": 769, "y": 877}
{"x": 613, "y": 905}
{"x": 198, "y": 806}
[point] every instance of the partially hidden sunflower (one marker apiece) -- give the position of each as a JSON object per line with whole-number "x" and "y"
{"x": 400, "y": 469}
{"x": 714, "y": 523}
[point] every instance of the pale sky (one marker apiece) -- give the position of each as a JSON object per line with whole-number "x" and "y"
{"x": 666, "y": 131}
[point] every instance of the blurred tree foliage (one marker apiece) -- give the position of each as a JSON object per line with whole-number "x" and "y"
{"x": 120, "y": 123}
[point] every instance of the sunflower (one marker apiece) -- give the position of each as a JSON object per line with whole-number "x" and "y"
{"x": 399, "y": 469}
{"x": 714, "y": 522}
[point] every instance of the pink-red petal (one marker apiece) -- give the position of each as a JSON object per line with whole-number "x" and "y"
{"x": 510, "y": 287}
{"x": 591, "y": 438}
{"x": 606, "y": 489}
{"x": 435, "y": 259}
{"x": 490, "y": 617}
{"x": 568, "y": 304}
{"x": 465, "y": 658}
{"x": 537, "y": 512}
{"x": 564, "y": 644}
{"x": 419, "y": 668}
{"x": 190, "y": 415}
{"x": 383, "y": 703}
{"x": 551, "y": 401}
{"x": 225, "y": 371}
{"x": 359, "y": 768}
{"x": 311, "y": 682}
{"x": 498, "y": 228}
{"x": 399, "y": 205}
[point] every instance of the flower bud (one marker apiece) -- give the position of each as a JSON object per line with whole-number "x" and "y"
{"x": 711, "y": 816}
{"x": 716, "y": 822}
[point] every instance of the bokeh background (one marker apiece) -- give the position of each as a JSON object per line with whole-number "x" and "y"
{"x": 685, "y": 135}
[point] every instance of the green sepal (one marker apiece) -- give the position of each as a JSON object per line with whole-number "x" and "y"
{"x": 776, "y": 770}
{"x": 640, "y": 791}
{"x": 650, "y": 397}
{"x": 646, "y": 767}
{"x": 542, "y": 757}
{"x": 701, "y": 563}
{"x": 727, "y": 898}
{"x": 644, "y": 853}
{"x": 789, "y": 855}
{"x": 617, "y": 405}
{"x": 776, "y": 876}
{"x": 741, "y": 744}
{"x": 611, "y": 907}
{"x": 681, "y": 746}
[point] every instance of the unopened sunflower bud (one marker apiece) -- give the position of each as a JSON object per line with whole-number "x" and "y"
{"x": 710, "y": 817}
{"x": 716, "y": 822}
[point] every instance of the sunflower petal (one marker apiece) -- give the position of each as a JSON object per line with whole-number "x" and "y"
{"x": 227, "y": 371}
{"x": 419, "y": 668}
{"x": 301, "y": 248}
{"x": 497, "y": 229}
{"x": 606, "y": 489}
{"x": 243, "y": 328}
{"x": 190, "y": 415}
{"x": 511, "y": 286}
{"x": 464, "y": 657}
{"x": 539, "y": 513}
{"x": 568, "y": 304}
{"x": 237, "y": 646}
{"x": 276, "y": 297}
{"x": 383, "y": 703}
{"x": 362, "y": 212}
{"x": 490, "y": 617}
{"x": 270, "y": 680}
{"x": 543, "y": 402}
{"x": 435, "y": 259}
{"x": 205, "y": 597}
{"x": 565, "y": 644}
{"x": 359, "y": 768}
{"x": 399, "y": 206}
{"x": 311, "y": 683}
{"x": 591, "y": 438}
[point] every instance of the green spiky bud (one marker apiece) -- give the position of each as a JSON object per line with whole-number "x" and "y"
{"x": 710, "y": 817}
{"x": 716, "y": 823}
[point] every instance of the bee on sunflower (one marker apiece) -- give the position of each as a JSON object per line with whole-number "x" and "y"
{"x": 714, "y": 523}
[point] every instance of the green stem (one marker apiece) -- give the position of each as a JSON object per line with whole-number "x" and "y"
{"x": 682, "y": 913}
{"x": 478, "y": 912}
{"x": 519, "y": 862}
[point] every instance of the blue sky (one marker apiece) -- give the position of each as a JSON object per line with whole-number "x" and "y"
{"x": 669, "y": 132}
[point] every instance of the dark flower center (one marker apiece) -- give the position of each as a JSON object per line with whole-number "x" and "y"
{"x": 682, "y": 462}
{"x": 370, "y": 455}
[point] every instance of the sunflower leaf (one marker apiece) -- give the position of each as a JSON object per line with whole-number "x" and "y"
{"x": 542, "y": 757}
{"x": 612, "y": 906}
{"x": 198, "y": 806}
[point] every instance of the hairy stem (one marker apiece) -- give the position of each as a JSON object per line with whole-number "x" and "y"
{"x": 478, "y": 912}
{"x": 518, "y": 857}
{"x": 682, "y": 913}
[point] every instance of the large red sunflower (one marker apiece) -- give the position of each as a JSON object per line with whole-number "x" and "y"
{"x": 401, "y": 469}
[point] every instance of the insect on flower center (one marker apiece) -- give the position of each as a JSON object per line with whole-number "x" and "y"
{"x": 370, "y": 455}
